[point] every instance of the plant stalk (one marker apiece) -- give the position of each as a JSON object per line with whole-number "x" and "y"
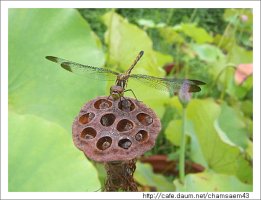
{"x": 120, "y": 176}
{"x": 182, "y": 147}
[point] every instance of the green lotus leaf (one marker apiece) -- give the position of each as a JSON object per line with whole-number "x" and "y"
{"x": 144, "y": 175}
{"x": 219, "y": 155}
{"x": 38, "y": 86}
{"x": 42, "y": 158}
{"x": 212, "y": 182}
{"x": 44, "y": 99}
{"x": 199, "y": 35}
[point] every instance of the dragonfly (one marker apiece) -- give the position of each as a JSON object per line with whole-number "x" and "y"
{"x": 172, "y": 85}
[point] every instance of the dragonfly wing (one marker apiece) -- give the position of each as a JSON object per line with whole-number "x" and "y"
{"x": 85, "y": 70}
{"x": 168, "y": 85}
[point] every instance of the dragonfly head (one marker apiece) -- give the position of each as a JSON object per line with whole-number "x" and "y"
{"x": 116, "y": 92}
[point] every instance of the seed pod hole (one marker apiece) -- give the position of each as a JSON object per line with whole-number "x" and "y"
{"x": 126, "y": 105}
{"x": 142, "y": 136}
{"x": 124, "y": 143}
{"x": 124, "y": 125}
{"x": 104, "y": 143}
{"x": 102, "y": 104}
{"x": 86, "y": 118}
{"x": 108, "y": 119}
{"x": 88, "y": 133}
{"x": 144, "y": 119}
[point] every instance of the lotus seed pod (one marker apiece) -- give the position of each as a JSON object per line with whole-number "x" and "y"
{"x": 115, "y": 130}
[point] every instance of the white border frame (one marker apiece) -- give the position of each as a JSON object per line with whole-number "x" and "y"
{"x": 118, "y": 4}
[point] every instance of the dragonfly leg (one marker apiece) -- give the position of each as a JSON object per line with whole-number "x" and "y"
{"x": 132, "y": 93}
{"x": 121, "y": 99}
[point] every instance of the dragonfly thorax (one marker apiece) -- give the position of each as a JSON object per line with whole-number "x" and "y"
{"x": 122, "y": 80}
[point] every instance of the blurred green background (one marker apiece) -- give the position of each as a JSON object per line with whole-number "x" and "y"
{"x": 211, "y": 45}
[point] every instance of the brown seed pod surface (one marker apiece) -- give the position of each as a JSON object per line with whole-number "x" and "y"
{"x": 115, "y": 130}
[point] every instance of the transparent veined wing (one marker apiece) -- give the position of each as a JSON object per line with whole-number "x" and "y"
{"x": 167, "y": 84}
{"x": 85, "y": 70}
